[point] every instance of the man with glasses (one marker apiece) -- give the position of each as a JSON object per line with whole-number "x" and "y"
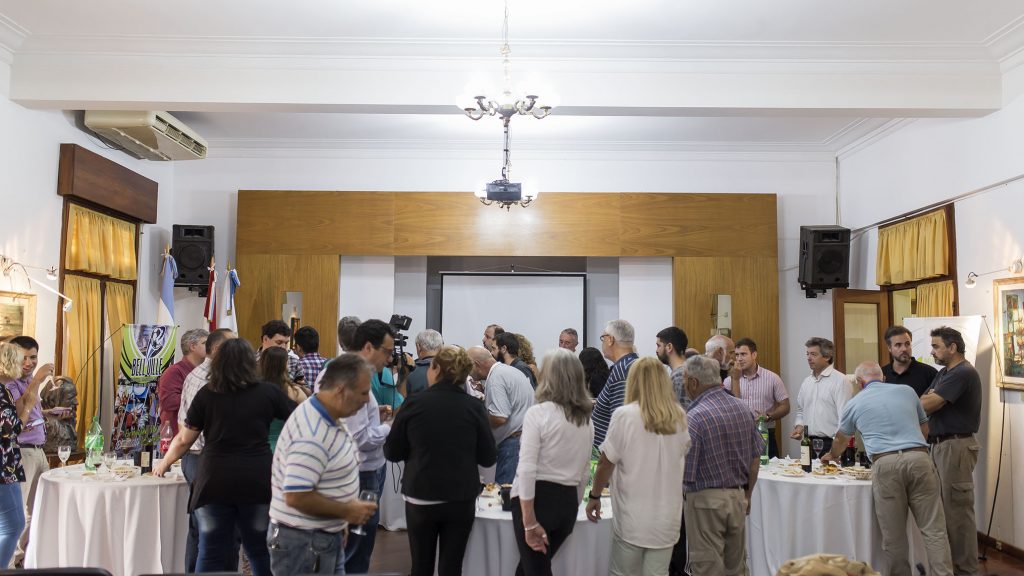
{"x": 617, "y": 346}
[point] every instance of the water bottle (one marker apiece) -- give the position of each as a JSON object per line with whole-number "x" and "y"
{"x": 762, "y": 429}
{"x": 166, "y": 435}
{"x": 94, "y": 445}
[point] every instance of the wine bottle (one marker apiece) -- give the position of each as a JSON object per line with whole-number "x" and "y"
{"x": 762, "y": 429}
{"x": 144, "y": 458}
{"x": 805, "y": 451}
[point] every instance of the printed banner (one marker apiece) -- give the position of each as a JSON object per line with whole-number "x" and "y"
{"x": 147, "y": 351}
{"x": 921, "y": 329}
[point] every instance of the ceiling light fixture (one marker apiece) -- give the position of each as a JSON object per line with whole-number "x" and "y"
{"x": 1015, "y": 267}
{"x": 503, "y": 191}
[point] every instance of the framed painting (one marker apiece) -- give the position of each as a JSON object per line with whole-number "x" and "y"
{"x": 1009, "y": 308}
{"x": 17, "y": 314}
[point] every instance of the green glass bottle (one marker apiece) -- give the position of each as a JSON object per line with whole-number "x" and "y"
{"x": 762, "y": 429}
{"x": 94, "y": 445}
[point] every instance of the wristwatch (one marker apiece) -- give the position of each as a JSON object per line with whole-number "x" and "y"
{"x": 593, "y": 497}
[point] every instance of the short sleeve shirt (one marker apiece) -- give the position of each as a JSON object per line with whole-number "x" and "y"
{"x": 961, "y": 389}
{"x": 918, "y": 376}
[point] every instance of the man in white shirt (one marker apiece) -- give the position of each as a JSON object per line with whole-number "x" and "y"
{"x": 822, "y": 395}
{"x": 195, "y": 380}
{"x": 315, "y": 476}
{"x": 508, "y": 395}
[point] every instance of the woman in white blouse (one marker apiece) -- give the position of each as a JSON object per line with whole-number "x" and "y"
{"x": 554, "y": 462}
{"x": 643, "y": 455}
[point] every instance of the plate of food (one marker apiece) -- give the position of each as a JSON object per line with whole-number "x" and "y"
{"x": 826, "y": 470}
{"x": 490, "y": 489}
{"x": 858, "y": 472}
{"x": 606, "y": 493}
{"x": 791, "y": 472}
{"x": 123, "y": 472}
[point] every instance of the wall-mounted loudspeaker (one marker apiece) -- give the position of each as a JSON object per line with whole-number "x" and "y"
{"x": 192, "y": 248}
{"x": 824, "y": 258}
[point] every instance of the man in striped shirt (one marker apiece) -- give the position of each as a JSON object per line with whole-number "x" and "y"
{"x": 720, "y": 472}
{"x": 760, "y": 389}
{"x": 617, "y": 346}
{"x": 315, "y": 478}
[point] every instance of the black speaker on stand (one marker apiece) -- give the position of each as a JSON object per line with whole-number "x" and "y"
{"x": 192, "y": 248}
{"x": 824, "y": 258}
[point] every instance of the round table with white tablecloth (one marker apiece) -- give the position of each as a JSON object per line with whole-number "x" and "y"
{"x": 135, "y": 526}
{"x": 492, "y": 546}
{"x": 791, "y": 517}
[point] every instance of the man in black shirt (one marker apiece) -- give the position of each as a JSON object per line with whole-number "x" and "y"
{"x": 953, "y": 404}
{"x": 904, "y": 369}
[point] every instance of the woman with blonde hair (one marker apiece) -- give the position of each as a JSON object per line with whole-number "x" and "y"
{"x": 442, "y": 434}
{"x": 643, "y": 455}
{"x": 13, "y": 417}
{"x": 554, "y": 462}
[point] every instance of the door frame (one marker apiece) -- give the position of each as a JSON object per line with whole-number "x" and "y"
{"x": 842, "y": 296}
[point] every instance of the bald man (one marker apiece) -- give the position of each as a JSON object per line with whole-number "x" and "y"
{"x": 507, "y": 396}
{"x": 894, "y": 426}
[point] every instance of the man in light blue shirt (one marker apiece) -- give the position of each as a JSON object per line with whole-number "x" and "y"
{"x": 894, "y": 426}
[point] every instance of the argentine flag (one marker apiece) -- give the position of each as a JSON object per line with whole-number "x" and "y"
{"x": 230, "y": 316}
{"x": 165, "y": 308}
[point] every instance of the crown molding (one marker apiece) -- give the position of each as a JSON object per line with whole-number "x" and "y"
{"x": 1007, "y": 41}
{"x": 12, "y": 36}
{"x": 487, "y": 49}
{"x": 524, "y": 150}
{"x": 889, "y": 127}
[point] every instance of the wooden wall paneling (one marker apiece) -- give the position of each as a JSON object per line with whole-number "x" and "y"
{"x": 268, "y": 276}
{"x": 295, "y": 222}
{"x": 753, "y": 284}
{"x": 455, "y": 224}
{"x": 90, "y": 177}
{"x": 699, "y": 224}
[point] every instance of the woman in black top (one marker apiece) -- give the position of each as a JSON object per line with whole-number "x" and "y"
{"x": 442, "y": 434}
{"x": 595, "y": 370}
{"x": 232, "y": 485}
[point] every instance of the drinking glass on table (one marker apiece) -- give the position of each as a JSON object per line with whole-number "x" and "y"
{"x": 64, "y": 452}
{"x": 365, "y": 496}
{"x": 818, "y": 445}
{"x": 109, "y": 459}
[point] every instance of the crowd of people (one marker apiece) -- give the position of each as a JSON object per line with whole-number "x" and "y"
{"x": 285, "y": 450}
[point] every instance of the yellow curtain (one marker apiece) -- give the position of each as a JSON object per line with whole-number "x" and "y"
{"x": 83, "y": 332}
{"x": 913, "y": 250}
{"x": 100, "y": 244}
{"x": 120, "y": 311}
{"x": 935, "y": 299}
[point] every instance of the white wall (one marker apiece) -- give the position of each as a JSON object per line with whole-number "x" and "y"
{"x": 645, "y": 299}
{"x": 29, "y": 152}
{"x": 928, "y": 161}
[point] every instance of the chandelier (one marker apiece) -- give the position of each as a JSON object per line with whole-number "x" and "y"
{"x": 503, "y": 191}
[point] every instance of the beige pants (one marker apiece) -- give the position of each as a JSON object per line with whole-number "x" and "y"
{"x": 630, "y": 560}
{"x": 905, "y": 482}
{"x": 34, "y": 461}
{"x": 716, "y": 521}
{"x": 955, "y": 460}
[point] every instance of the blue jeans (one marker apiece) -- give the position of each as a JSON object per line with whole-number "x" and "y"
{"x": 508, "y": 461}
{"x": 217, "y": 524}
{"x": 295, "y": 551}
{"x": 189, "y": 465}
{"x": 359, "y": 548}
{"x": 12, "y": 520}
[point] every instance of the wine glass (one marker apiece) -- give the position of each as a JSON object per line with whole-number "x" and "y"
{"x": 64, "y": 452}
{"x": 818, "y": 445}
{"x": 109, "y": 458}
{"x": 365, "y": 496}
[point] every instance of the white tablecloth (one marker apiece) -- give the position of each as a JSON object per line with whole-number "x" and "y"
{"x": 794, "y": 517}
{"x": 492, "y": 546}
{"x": 138, "y": 526}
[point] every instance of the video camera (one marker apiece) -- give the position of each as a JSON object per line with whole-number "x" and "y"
{"x": 399, "y": 324}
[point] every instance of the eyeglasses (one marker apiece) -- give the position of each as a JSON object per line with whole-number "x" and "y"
{"x": 388, "y": 351}
{"x": 603, "y": 336}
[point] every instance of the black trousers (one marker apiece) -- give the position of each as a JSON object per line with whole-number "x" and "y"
{"x": 555, "y": 506}
{"x": 677, "y": 566}
{"x": 450, "y": 523}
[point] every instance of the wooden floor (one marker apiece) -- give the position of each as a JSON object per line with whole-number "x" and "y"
{"x": 391, "y": 554}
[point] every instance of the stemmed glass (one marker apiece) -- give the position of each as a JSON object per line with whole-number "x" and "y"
{"x": 64, "y": 452}
{"x": 109, "y": 458}
{"x": 818, "y": 445}
{"x": 365, "y": 496}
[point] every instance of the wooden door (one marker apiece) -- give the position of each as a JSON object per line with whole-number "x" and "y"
{"x": 861, "y": 318}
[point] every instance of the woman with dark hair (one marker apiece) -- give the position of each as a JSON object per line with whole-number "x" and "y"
{"x": 232, "y": 484}
{"x": 595, "y": 370}
{"x": 554, "y": 463}
{"x": 442, "y": 434}
{"x": 272, "y": 367}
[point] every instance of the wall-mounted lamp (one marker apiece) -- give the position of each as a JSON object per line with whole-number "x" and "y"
{"x": 1015, "y": 267}
{"x": 7, "y": 266}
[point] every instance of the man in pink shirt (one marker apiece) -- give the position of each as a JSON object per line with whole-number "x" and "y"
{"x": 760, "y": 389}
{"x": 168, "y": 388}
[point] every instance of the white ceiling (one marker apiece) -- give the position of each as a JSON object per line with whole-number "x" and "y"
{"x": 790, "y": 75}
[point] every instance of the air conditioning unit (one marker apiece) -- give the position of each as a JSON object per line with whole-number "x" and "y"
{"x": 147, "y": 135}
